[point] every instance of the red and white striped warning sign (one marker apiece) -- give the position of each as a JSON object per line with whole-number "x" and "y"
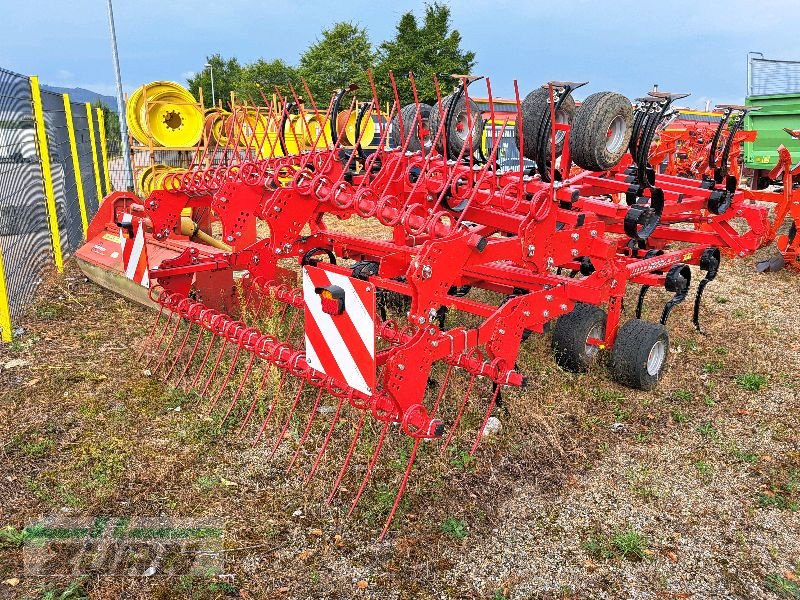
{"x": 340, "y": 327}
{"x": 134, "y": 252}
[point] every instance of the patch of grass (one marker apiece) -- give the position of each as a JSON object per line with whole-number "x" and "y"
{"x": 630, "y": 544}
{"x": 721, "y": 350}
{"x": 773, "y": 500}
{"x": 687, "y": 343}
{"x": 609, "y": 396}
{"x": 703, "y": 469}
{"x": 679, "y": 416}
{"x": 682, "y": 395}
{"x": 36, "y": 448}
{"x": 462, "y": 459}
{"x": 783, "y": 494}
{"x": 455, "y": 528}
{"x": 207, "y": 483}
{"x": 707, "y": 430}
{"x": 751, "y": 382}
{"x": 623, "y": 543}
{"x": 743, "y": 455}
{"x": 781, "y": 586}
{"x": 640, "y": 482}
{"x": 49, "y": 311}
{"x": 721, "y": 300}
{"x": 739, "y": 313}
{"x": 74, "y": 591}
{"x": 11, "y": 537}
{"x": 713, "y": 366}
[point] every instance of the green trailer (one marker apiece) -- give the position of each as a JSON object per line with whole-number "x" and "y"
{"x": 778, "y": 112}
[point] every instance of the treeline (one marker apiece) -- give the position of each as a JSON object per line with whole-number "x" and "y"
{"x": 342, "y": 56}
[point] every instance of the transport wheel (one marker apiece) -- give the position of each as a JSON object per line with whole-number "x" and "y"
{"x": 601, "y": 131}
{"x": 534, "y": 108}
{"x": 408, "y": 114}
{"x": 570, "y": 334}
{"x": 457, "y": 131}
{"x": 639, "y": 356}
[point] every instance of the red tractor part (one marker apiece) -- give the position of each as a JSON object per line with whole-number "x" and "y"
{"x": 370, "y": 281}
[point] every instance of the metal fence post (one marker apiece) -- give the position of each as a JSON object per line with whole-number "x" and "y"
{"x": 93, "y": 143}
{"x": 101, "y": 126}
{"x": 47, "y": 175}
{"x": 76, "y": 165}
{"x": 5, "y": 309}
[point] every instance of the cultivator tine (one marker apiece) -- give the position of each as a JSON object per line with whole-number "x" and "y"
{"x": 207, "y": 353}
{"x": 146, "y": 342}
{"x": 243, "y": 338}
{"x": 442, "y": 389}
{"x": 273, "y": 404}
{"x": 170, "y": 341}
{"x": 192, "y": 354}
{"x": 348, "y": 457}
{"x": 488, "y": 414}
{"x": 306, "y": 431}
{"x": 326, "y": 441}
{"x": 454, "y": 426}
{"x": 412, "y": 457}
{"x": 218, "y": 361}
{"x": 245, "y": 376}
{"x": 289, "y": 416}
{"x": 370, "y": 467}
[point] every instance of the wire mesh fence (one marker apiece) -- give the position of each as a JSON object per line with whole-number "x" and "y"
{"x": 33, "y": 220}
{"x": 772, "y": 77}
{"x": 24, "y": 233}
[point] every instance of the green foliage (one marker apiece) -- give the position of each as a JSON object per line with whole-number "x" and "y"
{"x": 227, "y": 72}
{"x": 455, "y": 528}
{"x": 430, "y": 49}
{"x": 752, "y": 382}
{"x": 263, "y": 76}
{"x": 782, "y": 586}
{"x": 630, "y": 544}
{"x": 342, "y": 56}
{"x": 113, "y": 135}
{"x": 11, "y": 537}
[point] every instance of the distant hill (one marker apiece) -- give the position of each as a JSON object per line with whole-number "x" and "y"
{"x": 83, "y": 95}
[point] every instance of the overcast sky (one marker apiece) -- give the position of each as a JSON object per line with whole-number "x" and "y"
{"x": 623, "y": 45}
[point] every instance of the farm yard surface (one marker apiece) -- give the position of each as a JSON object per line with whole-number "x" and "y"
{"x": 590, "y": 490}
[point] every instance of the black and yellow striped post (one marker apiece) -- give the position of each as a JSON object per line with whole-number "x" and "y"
{"x": 76, "y": 165}
{"x": 47, "y": 175}
{"x": 5, "y": 309}
{"x": 101, "y": 126}
{"x": 93, "y": 142}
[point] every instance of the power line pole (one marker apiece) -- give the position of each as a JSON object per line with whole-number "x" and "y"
{"x": 123, "y": 124}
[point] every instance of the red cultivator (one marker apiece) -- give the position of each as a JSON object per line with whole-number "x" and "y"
{"x": 460, "y": 263}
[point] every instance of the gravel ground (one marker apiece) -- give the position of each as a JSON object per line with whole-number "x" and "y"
{"x": 591, "y": 490}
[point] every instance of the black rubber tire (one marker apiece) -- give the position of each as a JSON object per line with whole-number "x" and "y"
{"x": 590, "y": 146}
{"x": 629, "y": 356}
{"x": 569, "y": 337}
{"x": 454, "y": 140}
{"x": 409, "y": 116}
{"x": 533, "y": 108}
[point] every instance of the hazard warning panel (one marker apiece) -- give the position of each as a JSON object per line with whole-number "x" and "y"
{"x": 340, "y": 327}
{"x": 134, "y": 252}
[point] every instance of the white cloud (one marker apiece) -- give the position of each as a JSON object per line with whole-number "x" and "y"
{"x": 64, "y": 75}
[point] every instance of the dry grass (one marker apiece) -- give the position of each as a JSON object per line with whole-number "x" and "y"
{"x": 694, "y": 490}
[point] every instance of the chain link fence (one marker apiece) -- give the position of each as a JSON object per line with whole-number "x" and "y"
{"x": 51, "y": 183}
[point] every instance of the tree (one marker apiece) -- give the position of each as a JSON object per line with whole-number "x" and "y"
{"x": 226, "y": 74}
{"x": 111, "y": 120}
{"x": 342, "y": 57}
{"x": 424, "y": 51}
{"x": 263, "y": 76}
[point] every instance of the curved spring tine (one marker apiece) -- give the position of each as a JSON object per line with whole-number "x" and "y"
{"x": 402, "y": 489}
{"x": 272, "y": 406}
{"x": 325, "y": 441}
{"x": 370, "y": 466}
{"x": 240, "y": 387}
{"x": 213, "y": 372}
{"x": 305, "y": 431}
{"x": 348, "y": 457}
{"x": 225, "y": 381}
{"x": 485, "y": 419}
{"x": 191, "y": 358}
{"x": 288, "y": 417}
{"x": 203, "y": 362}
{"x": 442, "y": 389}
{"x": 179, "y": 351}
{"x": 460, "y": 413}
{"x": 160, "y": 338}
{"x": 255, "y": 398}
{"x": 146, "y": 341}
{"x": 163, "y": 356}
